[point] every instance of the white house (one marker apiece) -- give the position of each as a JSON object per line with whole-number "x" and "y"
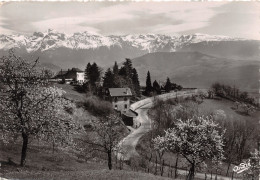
{"x": 80, "y": 77}
{"x": 120, "y": 98}
{"x": 73, "y": 75}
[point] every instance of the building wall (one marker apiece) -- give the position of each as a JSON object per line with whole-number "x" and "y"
{"x": 80, "y": 77}
{"x": 121, "y": 104}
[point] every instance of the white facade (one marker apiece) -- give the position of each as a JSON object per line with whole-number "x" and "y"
{"x": 121, "y": 104}
{"x": 120, "y": 98}
{"x": 80, "y": 78}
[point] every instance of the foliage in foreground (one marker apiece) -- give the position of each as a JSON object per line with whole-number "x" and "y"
{"x": 196, "y": 139}
{"x": 108, "y": 132}
{"x": 29, "y": 107}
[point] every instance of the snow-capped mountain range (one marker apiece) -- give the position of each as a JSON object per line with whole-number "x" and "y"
{"x": 191, "y": 60}
{"x": 51, "y": 39}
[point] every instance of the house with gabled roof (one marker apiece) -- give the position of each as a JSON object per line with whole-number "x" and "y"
{"x": 71, "y": 75}
{"x": 120, "y": 99}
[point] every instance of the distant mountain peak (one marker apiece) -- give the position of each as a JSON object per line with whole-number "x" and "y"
{"x": 51, "y": 39}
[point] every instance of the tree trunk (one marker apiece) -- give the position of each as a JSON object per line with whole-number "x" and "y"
{"x": 109, "y": 154}
{"x": 228, "y": 168}
{"x": 191, "y": 172}
{"x": 116, "y": 160}
{"x": 176, "y": 166}
{"x": 121, "y": 163}
{"x": 24, "y": 149}
{"x": 162, "y": 167}
{"x": 53, "y": 147}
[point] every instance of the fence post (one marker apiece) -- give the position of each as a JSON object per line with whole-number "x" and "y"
{"x": 155, "y": 165}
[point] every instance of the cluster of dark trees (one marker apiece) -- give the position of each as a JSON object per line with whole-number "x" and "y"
{"x": 125, "y": 76}
{"x": 232, "y": 93}
{"x": 155, "y": 88}
{"x": 92, "y": 76}
{"x": 121, "y": 77}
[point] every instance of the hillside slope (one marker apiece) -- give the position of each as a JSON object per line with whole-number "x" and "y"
{"x": 193, "y": 69}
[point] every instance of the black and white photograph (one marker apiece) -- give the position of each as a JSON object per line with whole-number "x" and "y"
{"x": 129, "y": 90}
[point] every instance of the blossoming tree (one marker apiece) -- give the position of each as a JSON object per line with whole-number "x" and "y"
{"x": 108, "y": 129}
{"x": 196, "y": 139}
{"x": 30, "y": 107}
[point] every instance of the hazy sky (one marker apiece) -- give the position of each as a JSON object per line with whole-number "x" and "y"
{"x": 236, "y": 19}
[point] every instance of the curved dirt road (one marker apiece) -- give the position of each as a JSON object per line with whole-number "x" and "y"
{"x": 129, "y": 143}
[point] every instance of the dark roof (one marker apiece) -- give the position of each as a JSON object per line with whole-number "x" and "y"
{"x": 130, "y": 113}
{"x": 67, "y": 73}
{"x": 120, "y": 92}
{"x": 76, "y": 69}
{"x": 60, "y": 73}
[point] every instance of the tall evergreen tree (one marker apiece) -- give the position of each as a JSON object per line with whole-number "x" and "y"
{"x": 108, "y": 79}
{"x": 126, "y": 74}
{"x": 92, "y": 75}
{"x": 156, "y": 87}
{"x": 115, "y": 69}
{"x": 128, "y": 67}
{"x": 148, "y": 88}
{"x": 122, "y": 72}
{"x": 117, "y": 79}
{"x": 87, "y": 71}
{"x": 136, "y": 82}
{"x": 95, "y": 74}
{"x": 168, "y": 85}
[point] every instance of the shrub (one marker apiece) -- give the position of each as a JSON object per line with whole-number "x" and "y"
{"x": 98, "y": 107}
{"x": 202, "y": 94}
{"x": 171, "y": 101}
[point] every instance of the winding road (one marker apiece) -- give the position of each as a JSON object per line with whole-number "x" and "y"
{"x": 128, "y": 144}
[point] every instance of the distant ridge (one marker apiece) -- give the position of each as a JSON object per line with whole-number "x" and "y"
{"x": 195, "y": 69}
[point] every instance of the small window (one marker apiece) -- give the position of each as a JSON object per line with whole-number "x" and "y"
{"x": 125, "y": 99}
{"x": 125, "y": 106}
{"x": 116, "y": 99}
{"x": 116, "y": 106}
